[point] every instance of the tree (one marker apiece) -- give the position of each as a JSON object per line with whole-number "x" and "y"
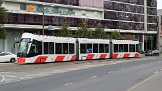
{"x": 115, "y": 35}
{"x": 128, "y": 37}
{"x": 89, "y": 33}
{"x": 82, "y": 30}
{"x": 99, "y": 32}
{"x": 3, "y": 32}
{"x": 64, "y": 31}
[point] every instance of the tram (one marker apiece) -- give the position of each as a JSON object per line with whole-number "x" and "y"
{"x": 42, "y": 49}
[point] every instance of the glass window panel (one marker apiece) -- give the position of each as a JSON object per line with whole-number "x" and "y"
{"x": 95, "y": 48}
{"x": 51, "y": 48}
{"x": 116, "y": 48}
{"x": 58, "y": 48}
{"x": 82, "y": 48}
{"x": 101, "y": 48}
{"x": 121, "y": 48}
{"x": 71, "y": 48}
{"x": 89, "y": 48}
{"x": 132, "y": 48}
{"x": 65, "y": 48}
{"x": 137, "y": 48}
{"x": 125, "y": 47}
{"x": 46, "y": 48}
{"x": 106, "y": 48}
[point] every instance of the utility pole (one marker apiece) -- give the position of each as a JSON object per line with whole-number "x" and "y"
{"x": 43, "y": 27}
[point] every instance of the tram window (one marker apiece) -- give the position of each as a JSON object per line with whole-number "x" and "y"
{"x": 51, "y": 48}
{"x": 101, "y": 48}
{"x": 58, "y": 48}
{"x": 82, "y": 48}
{"x": 121, "y": 48}
{"x": 95, "y": 48}
{"x": 65, "y": 48}
{"x": 71, "y": 49}
{"x": 39, "y": 47}
{"x": 125, "y": 47}
{"x": 106, "y": 48}
{"x": 131, "y": 48}
{"x": 46, "y": 49}
{"x": 89, "y": 48}
{"x": 36, "y": 48}
{"x": 32, "y": 51}
{"x": 137, "y": 48}
{"x": 116, "y": 48}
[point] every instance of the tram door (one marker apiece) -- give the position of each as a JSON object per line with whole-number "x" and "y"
{"x": 111, "y": 48}
{"x": 77, "y": 50}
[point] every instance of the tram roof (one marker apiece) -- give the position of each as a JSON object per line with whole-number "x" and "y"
{"x": 86, "y": 40}
{"x": 125, "y": 42}
{"x": 45, "y": 38}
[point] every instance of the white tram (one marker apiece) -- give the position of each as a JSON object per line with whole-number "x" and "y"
{"x": 93, "y": 49}
{"x": 42, "y": 49}
{"x": 124, "y": 49}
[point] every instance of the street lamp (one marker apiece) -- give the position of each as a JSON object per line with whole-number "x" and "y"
{"x": 43, "y": 27}
{"x": 43, "y": 17}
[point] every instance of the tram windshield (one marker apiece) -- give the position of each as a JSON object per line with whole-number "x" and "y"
{"x": 23, "y": 47}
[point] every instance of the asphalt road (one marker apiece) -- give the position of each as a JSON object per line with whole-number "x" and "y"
{"x": 126, "y": 76}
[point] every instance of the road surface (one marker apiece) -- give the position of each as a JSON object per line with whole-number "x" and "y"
{"x": 125, "y": 76}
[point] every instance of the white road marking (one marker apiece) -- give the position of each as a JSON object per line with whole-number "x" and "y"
{"x": 156, "y": 72}
{"x": 23, "y": 78}
{"x": 91, "y": 65}
{"x": 3, "y": 78}
{"x": 93, "y": 77}
{"x": 135, "y": 86}
{"x": 68, "y": 84}
{"x": 110, "y": 72}
{"x": 10, "y": 76}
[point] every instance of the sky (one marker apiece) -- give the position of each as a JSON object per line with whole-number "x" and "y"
{"x": 159, "y": 4}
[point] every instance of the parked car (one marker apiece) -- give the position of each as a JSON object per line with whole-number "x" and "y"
{"x": 148, "y": 53}
{"x": 7, "y": 57}
{"x": 152, "y": 53}
{"x": 155, "y": 53}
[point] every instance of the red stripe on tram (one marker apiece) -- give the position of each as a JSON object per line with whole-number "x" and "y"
{"x": 103, "y": 56}
{"x": 90, "y": 56}
{"x": 20, "y": 60}
{"x": 126, "y": 55}
{"x": 59, "y": 59}
{"x": 41, "y": 59}
{"x": 115, "y": 55}
{"x": 73, "y": 58}
{"x": 136, "y": 55}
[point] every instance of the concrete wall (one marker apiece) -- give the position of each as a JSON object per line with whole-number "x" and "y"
{"x": 8, "y": 43}
{"x": 1, "y": 45}
{"x": 160, "y": 31}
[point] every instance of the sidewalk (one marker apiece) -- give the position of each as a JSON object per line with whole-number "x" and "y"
{"x": 152, "y": 83}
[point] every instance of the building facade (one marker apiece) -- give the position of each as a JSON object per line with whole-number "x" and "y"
{"x": 159, "y": 13}
{"x": 137, "y": 18}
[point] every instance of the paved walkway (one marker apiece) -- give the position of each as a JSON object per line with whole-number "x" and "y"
{"x": 152, "y": 83}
